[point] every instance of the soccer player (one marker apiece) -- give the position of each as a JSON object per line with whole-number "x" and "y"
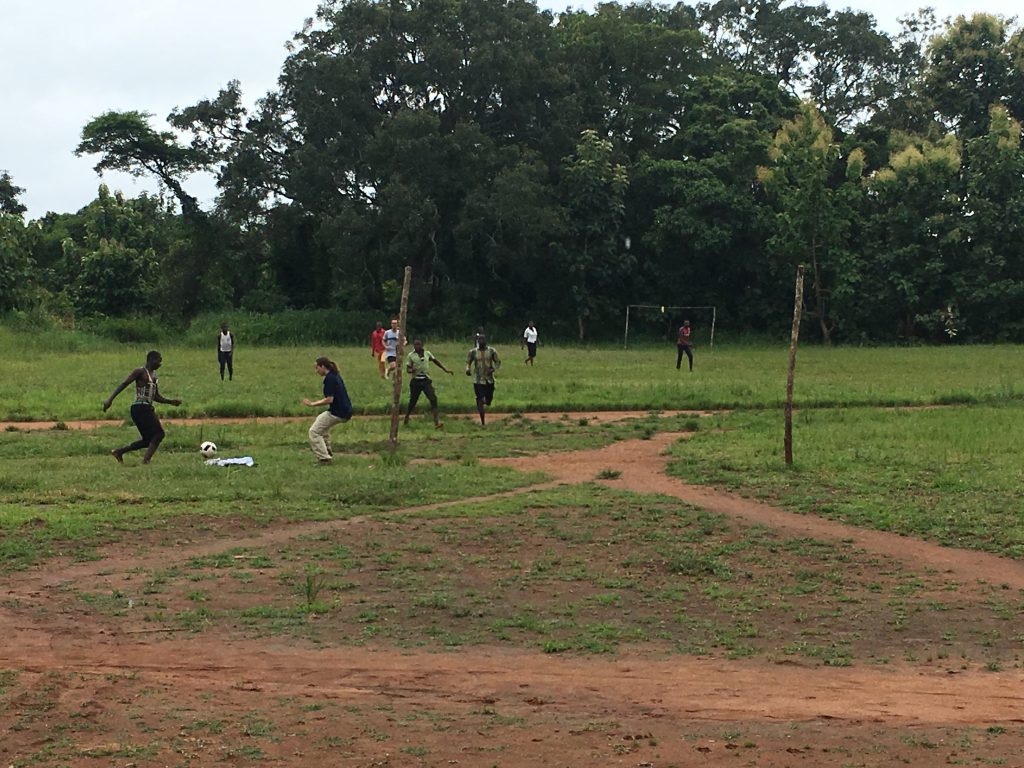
{"x": 530, "y": 339}
{"x": 339, "y": 409}
{"x": 481, "y": 362}
{"x": 418, "y": 365}
{"x": 391, "y": 338}
{"x": 377, "y": 348}
{"x": 226, "y": 351}
{"x": 683, "y": 346}
{"x": 147, "y": 392}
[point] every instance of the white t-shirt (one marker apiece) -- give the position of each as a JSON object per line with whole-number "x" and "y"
{"x": 226, "y": 342}
{"x": 530, "y": 334}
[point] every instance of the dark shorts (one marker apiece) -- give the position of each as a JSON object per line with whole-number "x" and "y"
{"x": 146, "y": 421}
{"x": 484, "y": 393}
{"x": 531, "y": 348}
{"x": 422, "y": 386}
{"x": 392, "y": 358}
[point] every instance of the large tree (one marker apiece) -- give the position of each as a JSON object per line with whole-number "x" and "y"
{"x": 809, "y": 190}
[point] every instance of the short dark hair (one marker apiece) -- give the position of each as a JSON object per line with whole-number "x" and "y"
{"x": 153, "y": 355}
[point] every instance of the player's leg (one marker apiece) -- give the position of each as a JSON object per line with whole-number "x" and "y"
{"x": 480, "y": 391}
{"x": 231, "y": 367}
{"x": 679, "y": 356}
{"x": 139, "y": 419}
{"x": 317, "y": 432}
{"x": 689, "y": 355}
{"x": 428, "y": 390}
{"x": 155, "y": 433}
{"x": 415, "y": 387}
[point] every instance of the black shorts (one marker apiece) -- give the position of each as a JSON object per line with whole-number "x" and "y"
{"x": 484, "y": 393}
{"x": 146, "y": 421}
{"x": 420, "y": 386}
{"x": 531, "y": 348}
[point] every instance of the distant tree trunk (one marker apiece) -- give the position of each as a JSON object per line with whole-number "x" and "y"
{"x": 794, "y": 337}
{"x": 819, "y": 297}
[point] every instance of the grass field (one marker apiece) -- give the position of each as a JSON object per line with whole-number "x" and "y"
{"x": 273, "y": 380}
{"x": 433, "y": 547}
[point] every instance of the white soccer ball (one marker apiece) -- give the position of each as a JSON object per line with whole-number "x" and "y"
{"x": 208, "y": 449}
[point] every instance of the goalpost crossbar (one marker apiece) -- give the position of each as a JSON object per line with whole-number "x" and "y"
{"x": 663, "y": 308}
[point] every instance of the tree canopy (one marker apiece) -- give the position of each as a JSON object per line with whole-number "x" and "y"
{"x": 561, "y": 167}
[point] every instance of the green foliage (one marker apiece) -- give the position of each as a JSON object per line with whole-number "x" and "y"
{"x": 15, "y": 262}
{"x": 525, "y": 165}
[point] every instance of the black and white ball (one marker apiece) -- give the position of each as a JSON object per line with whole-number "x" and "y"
{"x": 208, "y": 448}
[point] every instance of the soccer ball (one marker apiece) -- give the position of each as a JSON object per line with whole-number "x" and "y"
{"x": 208, "y": 449}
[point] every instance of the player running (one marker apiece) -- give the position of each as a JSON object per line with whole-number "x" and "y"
{"x": 418, "y": 365}
{"x": 482, "y": 361}
{"x": 147, "y": 392}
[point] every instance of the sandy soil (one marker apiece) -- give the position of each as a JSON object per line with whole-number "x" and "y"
{"x": 81, "y": 691}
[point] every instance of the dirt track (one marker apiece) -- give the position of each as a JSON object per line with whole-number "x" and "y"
{"x": 497, "y": 707}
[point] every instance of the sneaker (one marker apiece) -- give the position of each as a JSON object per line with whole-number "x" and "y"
{"x": 439, "y": 425}
{"x": 323, "y": 461}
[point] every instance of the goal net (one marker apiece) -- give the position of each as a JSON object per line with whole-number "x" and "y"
{"x": 655, "y": 323}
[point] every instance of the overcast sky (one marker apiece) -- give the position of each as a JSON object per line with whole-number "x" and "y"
{"x": 67, "y": 61}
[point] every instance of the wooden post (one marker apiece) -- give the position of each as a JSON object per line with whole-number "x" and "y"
{"x": 396, "y": 401}
{"x": 794, "y": 337}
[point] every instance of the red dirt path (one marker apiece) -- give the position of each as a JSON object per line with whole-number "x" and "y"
{"x": 487, "y": 707}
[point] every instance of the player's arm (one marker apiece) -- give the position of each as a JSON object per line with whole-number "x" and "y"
{"x": 122, "y": 386}
{"x": 495, "y": 360}
{"x": 440, "y": 365}
{"x": 469, "y": 360}
{"x": 327, "y": 399}
{"x": 161, "y": 399}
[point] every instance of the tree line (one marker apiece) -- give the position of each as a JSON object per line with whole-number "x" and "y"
{"x": 563, "y": 166}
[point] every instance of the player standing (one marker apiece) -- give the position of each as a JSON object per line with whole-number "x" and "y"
{"x": 226, "y": 351}
{"x": 530, "y": 339}
{"x": 683, "y": 346}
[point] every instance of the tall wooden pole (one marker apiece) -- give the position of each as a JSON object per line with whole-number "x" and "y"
{"x": 794, "y": 337}
{"x": 396, "y": 401}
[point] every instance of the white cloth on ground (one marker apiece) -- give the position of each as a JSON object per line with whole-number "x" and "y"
{"x": 243, "y": 461}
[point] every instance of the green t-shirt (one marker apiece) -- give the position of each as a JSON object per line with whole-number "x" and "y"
{"x": 419, "y": 366}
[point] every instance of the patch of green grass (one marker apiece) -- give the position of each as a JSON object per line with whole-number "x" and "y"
{"x": 951, "y": 475}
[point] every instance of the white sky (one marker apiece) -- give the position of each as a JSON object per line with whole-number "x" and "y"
{"x": 68, "y": 61}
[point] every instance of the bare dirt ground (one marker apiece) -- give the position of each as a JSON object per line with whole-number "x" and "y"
{"x": 82, "y": 686}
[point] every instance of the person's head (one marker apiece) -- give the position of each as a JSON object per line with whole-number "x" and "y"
{"x": 325, "y": 364}
{"x": 223, "y": 327}
{"x": 378, "y": 326}
{"x": 417, "y": 344}
{"x": 154, "y": 360}
{"x": 686, "y": 323}
{"x": 394, "y": 323}
{"x": 529, "y": 324}
{"x": 481, "y": 341}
